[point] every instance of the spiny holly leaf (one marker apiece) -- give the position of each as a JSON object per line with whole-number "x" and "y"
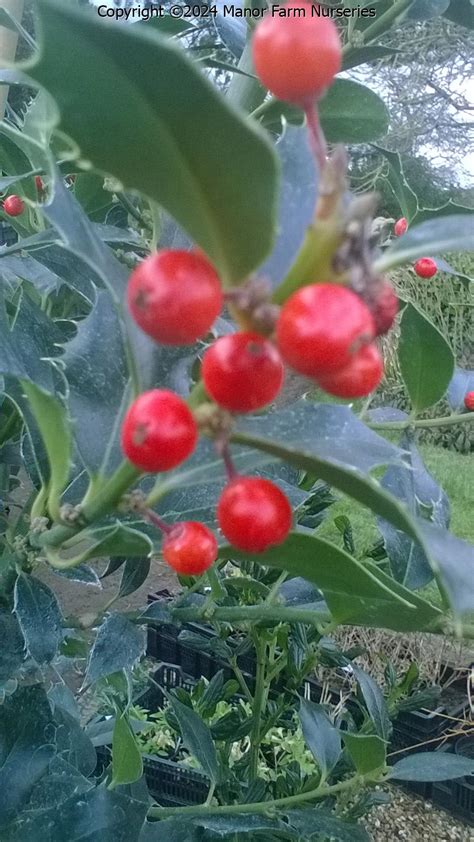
{"x": 13, "y": 645}
{"x": 26, "y": 747}
{"x": 118, "y": 646}
{"x": 412, "y": 484}
{"x": 39, "y": 616}
{"x": 179, "y": 171}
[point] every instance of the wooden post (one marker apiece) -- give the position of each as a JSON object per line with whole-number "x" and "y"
{"x": 8, "y": 44}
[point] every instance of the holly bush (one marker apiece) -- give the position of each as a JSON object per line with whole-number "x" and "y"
{"x": 127, "y": 147}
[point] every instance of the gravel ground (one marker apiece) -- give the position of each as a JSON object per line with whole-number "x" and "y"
{"x": 415, "y": 820}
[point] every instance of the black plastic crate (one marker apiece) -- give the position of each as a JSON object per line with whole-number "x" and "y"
{"x": 163, "y": 644}
{"x": 456, "y": 796}
{"x": 170, "y": 784}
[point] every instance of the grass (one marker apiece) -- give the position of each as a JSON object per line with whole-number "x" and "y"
{"x": 452, "y": 471}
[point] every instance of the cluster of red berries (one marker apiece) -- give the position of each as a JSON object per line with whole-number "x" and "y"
{"x": 425, "y": 267}
{"x": 324, "y": 331}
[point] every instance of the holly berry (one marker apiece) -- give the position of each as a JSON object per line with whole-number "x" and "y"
{"x": 384, "y": 308}
{"x": 190, "y": 548}
{"x": 39, "y": 183}
{"x": 425, "y": 267}
{"x": 242, "y": 372}
{"x": 13, "y": 206}
{"x": 469, "y": 401}
{"x": 321, "y": 327}
{"x": 359, "y": 378}
{"x": 159, "y": 431}
{"x": 296, "y": 58}
{"x": 254, "y": 514}
{"x": 400, "y": 227}
{"x": 175, "y": 296}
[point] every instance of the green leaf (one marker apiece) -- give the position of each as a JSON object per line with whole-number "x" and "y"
{"x": 13, "y": 645}
{"x": 321, "y": 737}
{"x": 352, "y": 113}
{"x": 355, "y": 593}
{"x": 461, "y": 12}
{"x": 112, "y": 540}
{"x": 432, "y": 766}
{"x": 366, "y": 55}
{"x": 196, "y": 737}
{"x": 53, "y": 423}
{"x": 367, "y": 751}
{"x": 177, "y": 116}
{"x": 398, "y": 184}
{"x": 26, "y": 746}
{"x": 426, "y": 360}
{"x": 435, "y": 236}
{"x": 99, "y": 814}
{"x": 134, "y": 574}
{"x": 39, "y": 616}
{"x": 127, "y": 764}
{"x": 118, "y": 646}
{"x": 374, "y": 702}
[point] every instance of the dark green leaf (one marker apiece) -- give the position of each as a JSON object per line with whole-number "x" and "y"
{"x": 82, "y": 573}
{"x": 461, "y": 12}
{"x": 99, "y": 814}
{"x": 179, "y": 171}
{"x": 134, "y": 574}
{"x": 197, "y": 738}
{"x": 39, "y": 616}
{"x": 366, "y": 750}
{"x": 118, "y": 646}
{"x": 374, "y": 702}
{"x": 23, "y": 352}
{"x": 352, "y": 113}
{"x": 127, "y": 764}
{"x": 453, "y": 559}
{"x": 61, "y": 782}
{"x": 355, "y": 593}
{"x": 435, "y": 236}
{"x": 13, "y": 645}
{"x": 313, "y": 823}
{"x": 105, "y": 541}
{"x": 26, "y": 737}
{"x": 414, "y": 486}
{"x": 426, "y": 360}
{"x": 367, "y": 55}
{"x": 321, "y": 737}
{"x": 73, "y": 744}
{"x": 432, "y": 766}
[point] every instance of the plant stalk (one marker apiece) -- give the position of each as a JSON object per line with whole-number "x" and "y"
{"x": 257, "y": 707}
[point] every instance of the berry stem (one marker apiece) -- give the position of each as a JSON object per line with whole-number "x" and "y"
{"x": 223, "y": 450}
{"x": 316, "y": 137}
{"x": 160, "y": 524}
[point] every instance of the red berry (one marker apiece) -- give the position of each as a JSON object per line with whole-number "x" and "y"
{"x": 254, "y": 514}
{"x": 320, "y": 328}
{"x": 13, "y": 206}
{"x": 39, "y": 183}
{"x": 469, "y": 401}
{"x": 296, "y": 58}
{"x": 242, "y": 372}
{"x": 190, "y": 548}
{"x": 384, "y": 308}
{"x": 159, "y": 431}
{"x": 357, "y": 379}
{"x": 400, "y": 227}
{"x": 175, "y": 296}
{"x": 425, "y": 267}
